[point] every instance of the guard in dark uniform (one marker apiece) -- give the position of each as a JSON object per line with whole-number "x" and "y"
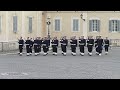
{"x": 100, "y": 45}
{"x": 64, "y": 45}
{"x": 73, "y": 43}
{"x": 106, "y": 45}
{"x": 31, "y": 46}
{"x": 70, "y": 43}
{"x": 21, "y": 44}
{"x": 45, "y": 45}
{"x": 90, "y": 44}
{"x": 54, "y": 45}
{"x": 39, "y": 44}
{"x": 48, "y": 41}
{"x": 36, "y": 46}
{"x": 96, "y": 46}
{"x": 61, "y": 40}
{"x": 82, "y": 44}
{"x": 28, "y": 46}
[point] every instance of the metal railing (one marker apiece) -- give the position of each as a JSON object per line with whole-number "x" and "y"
{"x": 115, "y": 42}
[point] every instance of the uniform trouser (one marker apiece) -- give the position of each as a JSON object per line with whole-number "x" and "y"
{"x": 20, "y": 48}
{"x": 73, "y": 49}
{"x": 90, "y": 48}
{"x": 45, "y": 49}
{"x": 82, "y": 49}
{"x": 64, "y": 48}
{"x": 39, "y": 49}
{"x": 35, "y": 48}
{"x": 28, "y": 49}
{"x": 48, "y": 48}
{"x": 99, "y": 49}
{"x": 96, "y": 48}
{"x": 106, "y": 48}
{"x": 54, "y": 48}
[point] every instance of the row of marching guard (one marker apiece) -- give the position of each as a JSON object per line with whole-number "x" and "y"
{"x": 99, "y": 44}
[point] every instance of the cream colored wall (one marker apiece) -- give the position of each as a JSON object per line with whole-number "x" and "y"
{"x": 3, "y": 29}
{"x": 11, "y": 35}
{"x": 104, "y": 18}
{"x": 23, "y": 24}
{"x": 40, "y": 27}
{"x": 34, "y": 23}
{"x": 66, "y": 24}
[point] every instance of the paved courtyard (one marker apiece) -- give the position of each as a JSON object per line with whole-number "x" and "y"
{"x": 13, "y": 66}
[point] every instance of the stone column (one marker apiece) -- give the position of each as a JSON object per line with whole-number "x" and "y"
{"x": 85, "y": 24}
{"x": 7, "y": 26}
{"x": 39, "y": 23}
{"x": 23, "y": 24}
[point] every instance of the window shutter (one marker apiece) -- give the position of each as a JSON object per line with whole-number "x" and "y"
{"x": 98, "y": 25}
{"x": 90, "y": 26}
{"x": 58, "y": 25}
{"x": 74, "y": 24}
{"x": 110, "y": 25}
{"x": 77, "y": 26}
{"x": 55, "y": 25}
{"x": 15, "y": 24}
{"x": 30, "y": 24}
{"x": 0, "y": 24}
{"x": 118, "y": 25}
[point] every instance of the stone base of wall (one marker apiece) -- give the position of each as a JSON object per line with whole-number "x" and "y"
{"x": 8, "y": 46}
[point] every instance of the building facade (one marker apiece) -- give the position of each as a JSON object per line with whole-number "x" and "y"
{"x": 14, "y": 24}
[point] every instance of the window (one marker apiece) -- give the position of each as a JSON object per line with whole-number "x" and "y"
{"x": 114, "y": 25}
{"x": 75, "y": 25}
{"x": 30, "y": 25}
{"x": 94, "y": 25}
{"x": 0, "y": 23}
{"x": 57, "y": 25}
{"x": 14, "y": 24}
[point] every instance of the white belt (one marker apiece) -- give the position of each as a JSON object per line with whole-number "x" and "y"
{"x": 106, "y": 44}
{"x": 63, "y": 44}
{"x": 27, "y": 44}
{"x": 73, "y": 44}
{"x": 54, "y": 44}
{"x": 81, "y": 44}
{"x": 90, "y": 44}
{"x": 20, "y": 44}
{"x": 35, "y": 44}
{"x": 44, "y": 44}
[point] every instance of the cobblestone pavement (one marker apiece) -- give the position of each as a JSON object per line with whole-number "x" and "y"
{"x": 13, "y": 66}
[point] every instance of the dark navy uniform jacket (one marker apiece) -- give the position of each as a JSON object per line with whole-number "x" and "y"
{"x": 82, "y": 42}
{"x": 31, "y": 43}
{"x": 100, "y": 42}
{"x": 39, "y": 42}
{"x": 27, "y": 42}
{"x": 106, "y": 42}
{"x": 64, "y": 42}
{"x": 21, "y": 42}
{"x": 61, "y": 41}
{"x": 45, "y": 43}
{"x": 54, "y": 43}
{"x": 35, "y": 42}
{"x": 48, "y": 41}
{"x": 90, "y": 42}
{"x": 96, "y": 41}
{"x": 73, "y": 43}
